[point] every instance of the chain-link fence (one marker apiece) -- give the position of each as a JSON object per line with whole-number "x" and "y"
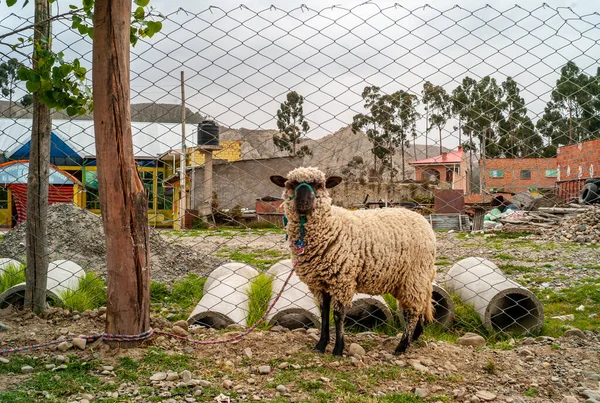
{"x": 482, "y": 121}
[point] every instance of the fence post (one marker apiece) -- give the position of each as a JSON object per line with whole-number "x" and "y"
{"x": 38, "y": 179}
{"x": 123, "y": 202}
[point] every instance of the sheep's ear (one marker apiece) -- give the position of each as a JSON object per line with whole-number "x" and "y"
{"x": 333, "y": 181}
{"x": 278, "y": 180}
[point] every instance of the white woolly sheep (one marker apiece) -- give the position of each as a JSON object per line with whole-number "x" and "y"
{"x": 382, "y": 251}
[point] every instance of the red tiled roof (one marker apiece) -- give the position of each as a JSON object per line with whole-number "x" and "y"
{"x": 453, "y": 157}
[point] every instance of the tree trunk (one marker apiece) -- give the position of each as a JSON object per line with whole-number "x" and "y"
{"x": 570, "y": 123}
{"x": 123, "y": 202}
{"x": 426, "y": 133}
{"x": 36, "y": 243}
{"x": 403, "y": 164}
{"x": 483, "y": 173}
{"x": 441, "y": 148}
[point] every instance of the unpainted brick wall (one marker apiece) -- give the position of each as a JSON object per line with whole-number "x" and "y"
{"x": 512, "y": 168}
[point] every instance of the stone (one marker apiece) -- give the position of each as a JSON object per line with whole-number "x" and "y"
{"x": 569, "y": 399}
{"x": 283, "y": 365}
{"x": 4, "y": 360}
{"x": 458, "y": 393}
{"x": 564, "y": 318}
{"x": 278, "y": 329}
{"x": 356, "y": 350}
{"x": 264, "y": 369}
{"x": 64, "y": 346}
{"x": 60, "y": 367}
{"x": 176, "y": 330}
{"x": 27, "y": 369}
{"x": 227, "y": 384}
{"x": 248, "y": 352}
{"x": 281, "y": 389}
{"x": 159, "y": 376}
{"x": 355, "y": 361}
{"x": 312, "y": 330}
{"x": 79, "y": 343}
{"x": 50, "y": 366}
{"x": 591, "y": 394}
{"x": 84, "y": 401}
{"x": 204, "y": 383}
{"x": 422, "y": 393}
{"x": 182, "y": 324}
{"x": 108, "y": 368}
{"x": 172, "y": 376}
{"x": 485, "y": 395}
{"x": 3, "y": 327}
{"x": 471, "y": 339}
{"x": 235, "y": 326}
{"x": 426, "y": 361}
{"x": 185, "y": 376}
{"x": 418, "y": 366}
{"x": 60, "y": 358}
{"x": 314, "y": 336}
{"x": 574, "y": 333}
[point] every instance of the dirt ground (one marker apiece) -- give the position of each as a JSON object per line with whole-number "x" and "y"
{"x": 537, "y": 370}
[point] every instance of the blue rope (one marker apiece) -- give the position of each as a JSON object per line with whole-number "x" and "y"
{"x": 304, "y": 184}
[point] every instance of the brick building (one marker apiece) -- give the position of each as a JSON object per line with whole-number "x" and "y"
{"x": 450, "y": 168}
{"x": 515, "y": 175}
{"x": 575, "y": 164}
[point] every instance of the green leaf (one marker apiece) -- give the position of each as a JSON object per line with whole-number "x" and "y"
{"x": 88, "y": 4}
{"x": 32, "y": 87}
{"x": 11, "y": 3}
{"x": 141, "y": 3}
{"x": 153, "y": 27}
{"x": 72, "y": 111}
{"x": 82, "y": 29}
{"x": 72, "y": 7}
{"x": 139, "y": 13}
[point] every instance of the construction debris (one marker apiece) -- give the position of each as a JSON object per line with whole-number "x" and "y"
{"x": 582, "y": 228}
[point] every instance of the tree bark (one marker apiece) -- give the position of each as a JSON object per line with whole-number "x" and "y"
{"x": 123, "y": 202}
{"x": 36, "y": 273}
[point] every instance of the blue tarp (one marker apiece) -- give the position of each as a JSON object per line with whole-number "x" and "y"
{"x": 16, "y": 173}
{"x": 60, "y": 152}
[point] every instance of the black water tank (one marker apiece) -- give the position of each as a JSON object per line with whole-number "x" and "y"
{"x": 208, "y": 133}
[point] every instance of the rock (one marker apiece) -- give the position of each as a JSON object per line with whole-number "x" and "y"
{"x": 3, "y": 327}
{"x": 591, "y": 394}
{"x": 458, "y": 393}
{"x": 471, "y": 339}
{"x": 569, "y": 399}
{"x": 108, "y": 368}
{"x": 159, "y": 376}
{"x": 312, "y": 330}
{"x": 264, "y": 369}
{"x": 185, "y": 376}
{"x": 356, "y": 350}
{"x": 355, "y": 361}
{"x": 60, "y": 358}
{"x": 176, "y": 330}
{"x": 281, "y": 389}
{"x": 427, "y": 362}
{"x": 182, "y": 324}
{"x": 59, "y": 368}
{"x": 422, "y": 393}
{"x": 251, "y": 381}
{"x": 574, "y": 333}
{"x": 278, "y": 329}
{"x": 485, "y": 395}
{"x": 64, "y": 346}
{"x": 79, "y": 343}
{"x": 235, "y": 326}
{"x": 26, "y": 369}
{"x": 227, "y": 384}
{"x": 4, "y": 360}
{"x": 283, "y": 365}
{"x": 564, "y": 318}
{"x": 222, "y": 399}
{"x": 172, "y": 376}
{"x": 313, "y": 336}
{"x": 418, "y": 366}
{"x": 248, "y": 352}
{"x": 84, "y": 401}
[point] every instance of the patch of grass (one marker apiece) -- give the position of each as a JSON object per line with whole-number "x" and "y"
{"x": 159, "y": 292}
{"x": 89, "y": 294}
{"x": 11, "y": 275}
{"x": 531, "y": 392}
{"x": 127, "y": 370}
{"x": 443, "y": 263}
{"x": 401, "y": 398}
{"x": 260, "y": 258}
{"x": 157, "y": 358}
{"x": 187, "y": 292}
{"x": 504, "y": 256}
{"x": 512, "y": 269}
{"x": 259, "y": 294}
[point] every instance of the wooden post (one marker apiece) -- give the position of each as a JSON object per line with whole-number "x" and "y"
{"x": 208, "y": 176}
{"x": 182, "y": 162}
{"x": 123, "y": 202}
{"x": 37, "y": 182}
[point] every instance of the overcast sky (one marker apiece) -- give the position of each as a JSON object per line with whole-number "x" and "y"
{"x": 239, "y": 62}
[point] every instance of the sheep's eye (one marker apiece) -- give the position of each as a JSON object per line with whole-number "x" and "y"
{"x": 318, "y": 185}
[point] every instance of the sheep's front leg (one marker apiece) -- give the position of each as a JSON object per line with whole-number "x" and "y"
{"x": 338, "y": 317}
{"x": 325, "y": 308}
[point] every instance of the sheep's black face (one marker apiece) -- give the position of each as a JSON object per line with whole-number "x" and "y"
{"x": 304, "y": 194}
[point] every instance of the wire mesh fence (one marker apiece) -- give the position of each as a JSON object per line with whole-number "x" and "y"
{"x": 484, "y": 122}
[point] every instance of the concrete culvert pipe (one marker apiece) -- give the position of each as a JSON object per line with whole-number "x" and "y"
{"x": 367, "y": 312}
{"x": 296, "y": 307}
{"x": 225, "y": 299}
{"x": 443, "y": 305}
{"x": 502, "y": 304}
{"x": 63, "y": 275}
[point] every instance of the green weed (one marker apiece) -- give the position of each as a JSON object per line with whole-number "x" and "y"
{"x": 89, "y": 294}
{"x": 259, "y": 295}
{"x": 11, "y": 275}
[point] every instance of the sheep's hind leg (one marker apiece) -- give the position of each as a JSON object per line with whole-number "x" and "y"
{"x": 325, "y": 308}
{"x": 412, "y": 322}
{"x": 338, "y": 316}
{"x": 418, "y": 329}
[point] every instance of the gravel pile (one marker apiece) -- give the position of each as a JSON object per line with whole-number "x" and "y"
{"x": 77, "y": 234}
{"x": 583, "y": 228}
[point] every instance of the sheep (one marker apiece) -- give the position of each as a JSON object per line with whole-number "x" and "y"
{"x": 338, "y": 252}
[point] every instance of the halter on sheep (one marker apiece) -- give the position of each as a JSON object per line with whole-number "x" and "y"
{"x": 346, "y": 252}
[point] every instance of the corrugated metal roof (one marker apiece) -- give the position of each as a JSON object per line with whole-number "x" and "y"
{"x": 453, "y": 157}
{"x": 149, "y": 139}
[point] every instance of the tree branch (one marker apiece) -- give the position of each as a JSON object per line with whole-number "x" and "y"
{"x": 56, "y": 17}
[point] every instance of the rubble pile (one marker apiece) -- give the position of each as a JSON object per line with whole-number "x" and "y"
{"x": 78, "y": 235}
{"x": 582, "y": 228}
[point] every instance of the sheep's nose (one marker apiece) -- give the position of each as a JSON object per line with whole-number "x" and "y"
{"x": 303, "y": 204}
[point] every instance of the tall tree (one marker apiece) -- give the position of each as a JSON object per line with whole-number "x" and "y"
{"x": 439, "y": 106}
{"x": 8, "y": 83}
{"x": 292, "y": 125}
{"x": 398, "y": 115}
{"x": 373, "y": 124}
{"x": 463, "y": 107}
{"x": 517, "y": 135}
{"x": 570, "y": 115}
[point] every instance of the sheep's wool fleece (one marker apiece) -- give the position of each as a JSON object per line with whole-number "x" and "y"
{"x": 382, "y": 251}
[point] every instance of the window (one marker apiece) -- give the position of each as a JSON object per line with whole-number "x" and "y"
{"x": 147, "y": 178}
{"x": 92, "y": 201}
{"x": 551, "y": 173}
{"x": 497, "y": 173}
{"x": 3, "y": 198}
{"x": 164, "y": 197}
{"x": 525, "y": 174}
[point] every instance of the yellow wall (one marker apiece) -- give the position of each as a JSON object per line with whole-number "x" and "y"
{"x": 231, "y": 151}
{"x": 5, "y": 213}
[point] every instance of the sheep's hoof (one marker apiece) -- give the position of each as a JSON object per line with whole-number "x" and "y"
{"x": 400, "y": 350}
{"x": 338, "y": 350}
{"x": 319, "y": 348}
